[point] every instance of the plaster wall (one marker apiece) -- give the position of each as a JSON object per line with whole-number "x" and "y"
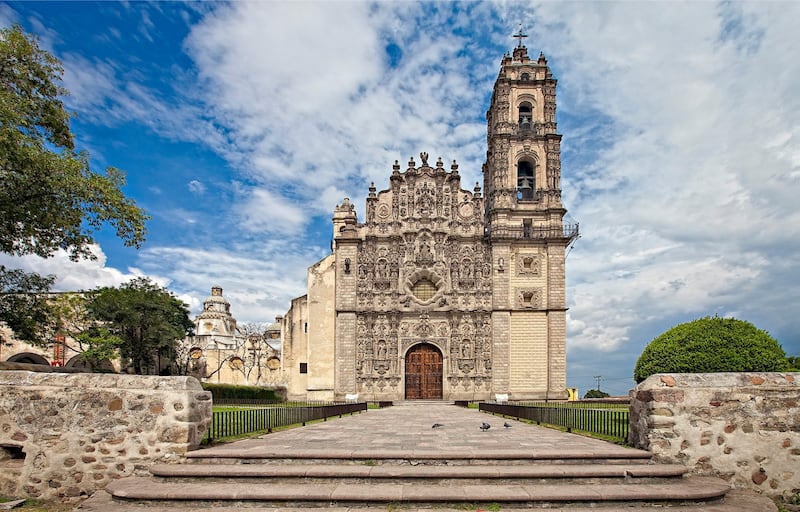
{"x": 67, "y": 435}
{"x": 742, "y": 427}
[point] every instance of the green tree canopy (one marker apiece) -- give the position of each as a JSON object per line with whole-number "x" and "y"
{"x": 23, "y": 303}
{"x": 50, "y": 198}
{"x": 595, "y": 393}
{"x": 147, "y": 319}
{"x": 708, "y": 345}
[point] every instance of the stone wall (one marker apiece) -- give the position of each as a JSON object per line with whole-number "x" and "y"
{"x": 67, "y": 435}
{"x": 742, "y": 427}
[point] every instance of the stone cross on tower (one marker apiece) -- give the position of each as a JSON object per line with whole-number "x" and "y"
{"x": 520, "y": 36}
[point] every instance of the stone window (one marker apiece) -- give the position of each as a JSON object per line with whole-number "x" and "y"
{"x": 303, "y": 367}
{"x": 424, "y": 289}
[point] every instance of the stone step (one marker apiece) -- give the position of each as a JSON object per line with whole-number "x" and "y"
{"x": 418, "y": 472}
{"x": 478, "y": 455}
{"x": 690, "y": 489}
{"x": 735, "y": 500}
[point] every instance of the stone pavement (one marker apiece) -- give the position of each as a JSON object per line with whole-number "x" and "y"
{"x": 407, "y": 428}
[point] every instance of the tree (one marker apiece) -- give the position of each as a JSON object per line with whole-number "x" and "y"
{"x": 50, "y": 198}
{"x": 83, "y": 334}
{"x": 23, "y": 304}
{"x": 595, "y": 393}
{"x": 148, "y": 320}
{"x": 711, "y": 344}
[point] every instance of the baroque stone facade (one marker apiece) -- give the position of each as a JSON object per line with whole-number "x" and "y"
{"x": 442, "y": 292}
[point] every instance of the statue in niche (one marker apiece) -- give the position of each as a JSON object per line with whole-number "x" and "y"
{"x": 425, "y": 206}
{"x": 382, "y": 269}
{"x": 466, "y": 349}
{"x": 425, "y": 252}
{"x": 381, "y": 350}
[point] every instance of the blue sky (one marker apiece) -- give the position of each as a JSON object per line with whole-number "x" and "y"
{"x": 241, "y": 125}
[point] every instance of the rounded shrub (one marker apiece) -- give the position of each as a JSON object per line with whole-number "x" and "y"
{"x": 711, "y": 344}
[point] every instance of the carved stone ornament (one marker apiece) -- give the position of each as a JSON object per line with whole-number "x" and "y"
{"x": 528, "y": 264}
{"x": 529, "y": 298}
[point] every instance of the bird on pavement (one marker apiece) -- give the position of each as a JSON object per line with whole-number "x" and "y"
{"x": 507, "y": 424}
{"x": 437, "y": 425}
{"x": 485, "y": 426}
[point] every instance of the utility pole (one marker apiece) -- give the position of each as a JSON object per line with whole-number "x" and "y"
{"x": 598, "y": 378}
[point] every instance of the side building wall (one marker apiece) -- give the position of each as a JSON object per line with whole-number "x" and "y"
{"x": 321, "y": 329}
{"x": 294, "y": 349}
{"x": 742, "y": 427}
{"x": 68, "y": 435}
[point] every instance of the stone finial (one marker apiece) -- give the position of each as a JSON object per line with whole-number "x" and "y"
{"x": 372, "y": 189}
{"x": 454, "y": 167}
{"x": 411, "y": 163}
{"x": 396, "y": 167}
{"x": 439, "y": 163}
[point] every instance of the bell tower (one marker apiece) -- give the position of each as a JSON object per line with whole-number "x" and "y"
{"x": 525, "y": 227}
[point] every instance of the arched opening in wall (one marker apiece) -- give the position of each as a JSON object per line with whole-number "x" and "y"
{"x": 29, "y": 358}
{"x": 424, "y": 372}
{"x": 525, "y": 115}
{"x": 526, "y": 180}
{"x": 525, "y": 77}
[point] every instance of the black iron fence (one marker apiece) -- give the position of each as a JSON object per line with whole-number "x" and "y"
{"x": 226, "y": 423}
{"x": 604, "y": 420}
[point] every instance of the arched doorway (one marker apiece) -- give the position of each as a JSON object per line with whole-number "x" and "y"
{"x": 28, "y": 357}
{"x": 424, "y": 373}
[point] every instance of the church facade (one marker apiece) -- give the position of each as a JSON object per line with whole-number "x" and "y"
{"x": 443, "y": 292}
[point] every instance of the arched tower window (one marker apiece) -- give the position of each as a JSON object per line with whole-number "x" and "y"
{"x": 526, "y": 181}
{"x": 525, "y": 77}
{"x": 525, "y": 115}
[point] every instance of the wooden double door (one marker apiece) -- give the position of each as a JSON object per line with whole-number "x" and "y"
{"x": 424, "y": 373}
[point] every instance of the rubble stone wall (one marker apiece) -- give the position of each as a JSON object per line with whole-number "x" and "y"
{"x": 67, "y": 435}
{"x": 742, "y": 427}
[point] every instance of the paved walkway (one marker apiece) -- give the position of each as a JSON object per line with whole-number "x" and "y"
{"x": 407, "y": 427}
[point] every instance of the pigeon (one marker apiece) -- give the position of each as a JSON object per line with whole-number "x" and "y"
{"x": 507, "y": 424}
{"x": 485, "y": 426}
{"x": 437, "y": 425}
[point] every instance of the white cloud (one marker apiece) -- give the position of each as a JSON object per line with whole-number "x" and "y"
{"x": 197, "y": 187}
{"x": 261, "y": 210}
{"x": 257, "y": 282}
{"x": 77, "y": 275}
{"x": 306, "y": 91}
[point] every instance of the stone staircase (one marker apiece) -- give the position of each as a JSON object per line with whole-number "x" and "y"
{"x": 480, "y": 473}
